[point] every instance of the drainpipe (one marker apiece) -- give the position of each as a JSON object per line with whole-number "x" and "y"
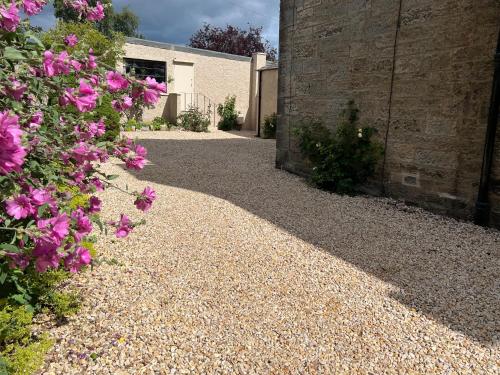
{"x": 482, "y": 214}
{"x": 260, "y": 103}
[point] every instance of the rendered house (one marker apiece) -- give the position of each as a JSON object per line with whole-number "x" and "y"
{"x": 198, "y": 78}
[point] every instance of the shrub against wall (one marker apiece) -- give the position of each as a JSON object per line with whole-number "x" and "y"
{"x": 270, "y": 123}
{"x": 194, "y": 120}
{"x": 344, "y": 159}
{"x": 228, "y": 114}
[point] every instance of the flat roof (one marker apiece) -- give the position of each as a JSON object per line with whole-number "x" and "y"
{"x": 176, "y": 47}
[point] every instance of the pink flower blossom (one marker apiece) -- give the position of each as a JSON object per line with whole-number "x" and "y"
{"x": 11, "y": 151}
{"x": 96, "y": 13}
{"x": 9, "y": 17}
{"x": 45, "y": 252}
{"x": 18, "y": 260}
{"x": 137, "y": 163}
{"x": 123, "y": 104}
{"x": 57, "y": 227}
{"x": 32, "y": 7}
{"x": 36, "y": 120}
{"x": 83, "y": 225}
{"x": 94, "y": 205}
{"x": 86, "y": 99}
{"x": 145, "y": 200}
{"x": 56, "y": 64}
{"x": 76, "y": 260}
{"x": 91, "y": 63}
{"x": 71, "y": 40}
{"x": 124, "y": 227}
{"x": 16, "y": 89}
{"x": 39, "y": 197}
{"x": 116, "y": 81}
{"x": 20, "y": 207}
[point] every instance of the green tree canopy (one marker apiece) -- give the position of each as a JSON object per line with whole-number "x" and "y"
{"x": 125, "y": 21}
{"x": 108, "y": 50}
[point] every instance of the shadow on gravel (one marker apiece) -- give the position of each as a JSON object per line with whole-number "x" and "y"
{"x": 448, "y": 271}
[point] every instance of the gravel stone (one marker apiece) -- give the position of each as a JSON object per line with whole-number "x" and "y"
{"x": 246, "y": 269}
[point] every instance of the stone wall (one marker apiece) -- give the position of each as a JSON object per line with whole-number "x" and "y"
{"x": 425, "y": 84}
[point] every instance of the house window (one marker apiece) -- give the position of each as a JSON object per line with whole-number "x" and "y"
{"x": 147, "y": 68}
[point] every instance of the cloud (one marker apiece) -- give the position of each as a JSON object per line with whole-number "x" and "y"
{"x": 175, "y": 21}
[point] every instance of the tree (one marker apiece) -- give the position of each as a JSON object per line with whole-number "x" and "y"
{"x": 125, "y": 21}
{"x": 232, "y": 40}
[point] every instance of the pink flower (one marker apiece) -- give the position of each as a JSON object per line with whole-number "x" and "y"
{"x": 83, "y": 225}
{"x": 124, "y": 227}
{"x": 137, "y": 163}
{"x": 16, "y": 90}
{"x": 94, "y": 205}
{"x": 91, "y": 63}
{"x": 58, "y": 226}
{"x": 122, "y": 105}
{"x": 79, "y": 5}
{"x": 94, "y": 80}
{"x": 71, "y": 40}
{"x": 20, "y": 207}
{"x": 151, "y": 96}
{"x": 9, "y": 17}
{"x": 99, "y": 186}
{"x": 76, "y": 260}
{"x": 96, "y": 13}
{"x": 145, "y": 200}
{"x": 11, "y": 151}
{"x": 36, "y": 120}
{"x": 32, "y": 7}
{"x": 45, "y": 252}
{"x": 18, "y": 260}
{"x": 86, "y": 99}
{"x": 116, "y": 81}
{"x": 56, "y": 64}
{"x": 77, "y": 65}
{"x": 39, "y": 197}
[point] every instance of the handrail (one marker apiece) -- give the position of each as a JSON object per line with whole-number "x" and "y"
{"x": 192, "y": 99}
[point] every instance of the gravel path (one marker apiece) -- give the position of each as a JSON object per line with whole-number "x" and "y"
{"x": 245, "y": 269}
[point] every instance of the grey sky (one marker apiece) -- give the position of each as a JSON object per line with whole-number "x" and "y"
{"x": 175, "y": 20}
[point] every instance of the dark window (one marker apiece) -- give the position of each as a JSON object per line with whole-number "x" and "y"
{"x": 147, "y": 68}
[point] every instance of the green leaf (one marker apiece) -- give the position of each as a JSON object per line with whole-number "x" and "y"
{"x": 33, "y": 39}
{"x": 3, "y": 277}
{"x": 112, "y": 177}
{"x": 3, "y": 366}
{"x": 12, "y": 53}
{"x": 10, "y": 248}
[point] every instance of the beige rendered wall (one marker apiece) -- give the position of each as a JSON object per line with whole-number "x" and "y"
{"x": 215, "y": 77}
{"x": 269, "y": 93}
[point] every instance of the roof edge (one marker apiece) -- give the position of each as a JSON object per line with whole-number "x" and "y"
{"x": 176, "y": 47}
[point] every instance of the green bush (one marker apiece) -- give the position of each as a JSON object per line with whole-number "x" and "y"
{"x": 194, "y": 120}
{"x": 344, "y": 159}
{"x": 228, "y": 114}
{"x": 130, "y": 125}
{"x": 270, "y": 122}
{"x": 20, "y": 351}
{"x": 110, "y": 116}
{"x": 157, "y": 123}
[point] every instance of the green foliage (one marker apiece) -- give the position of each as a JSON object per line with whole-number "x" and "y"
{"x": 125, "y": 22}
{"x": 63, "y": 304}
{"x": 344, "y": 159}
{"x": 20, "y": 351}
{"x": 131, "y": 125}
{"x": 108, "y": 50}
{"x": 270, "y": 122}
{"x": 194, "y": 120}
{"x": 110, "y": 116}
{"x": 228, "y": 114}
{"x": 157, "y": 123}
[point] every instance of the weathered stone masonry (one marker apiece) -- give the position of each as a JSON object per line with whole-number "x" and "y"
{"x": 426, "y": 84}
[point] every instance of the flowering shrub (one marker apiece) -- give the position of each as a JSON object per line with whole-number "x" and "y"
{"x": 344, "y": 159}
{"x": 52, "y": 147}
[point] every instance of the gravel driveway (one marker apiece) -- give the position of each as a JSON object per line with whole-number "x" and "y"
{"x": 246, "y": 269}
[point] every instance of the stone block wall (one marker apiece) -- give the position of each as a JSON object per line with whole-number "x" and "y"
{"x": 419, "y": 71}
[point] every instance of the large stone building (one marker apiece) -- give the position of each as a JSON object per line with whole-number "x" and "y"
{"x": 419, "y": 71}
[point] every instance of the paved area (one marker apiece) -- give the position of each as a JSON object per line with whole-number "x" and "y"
{"x": 245, "y": 269}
